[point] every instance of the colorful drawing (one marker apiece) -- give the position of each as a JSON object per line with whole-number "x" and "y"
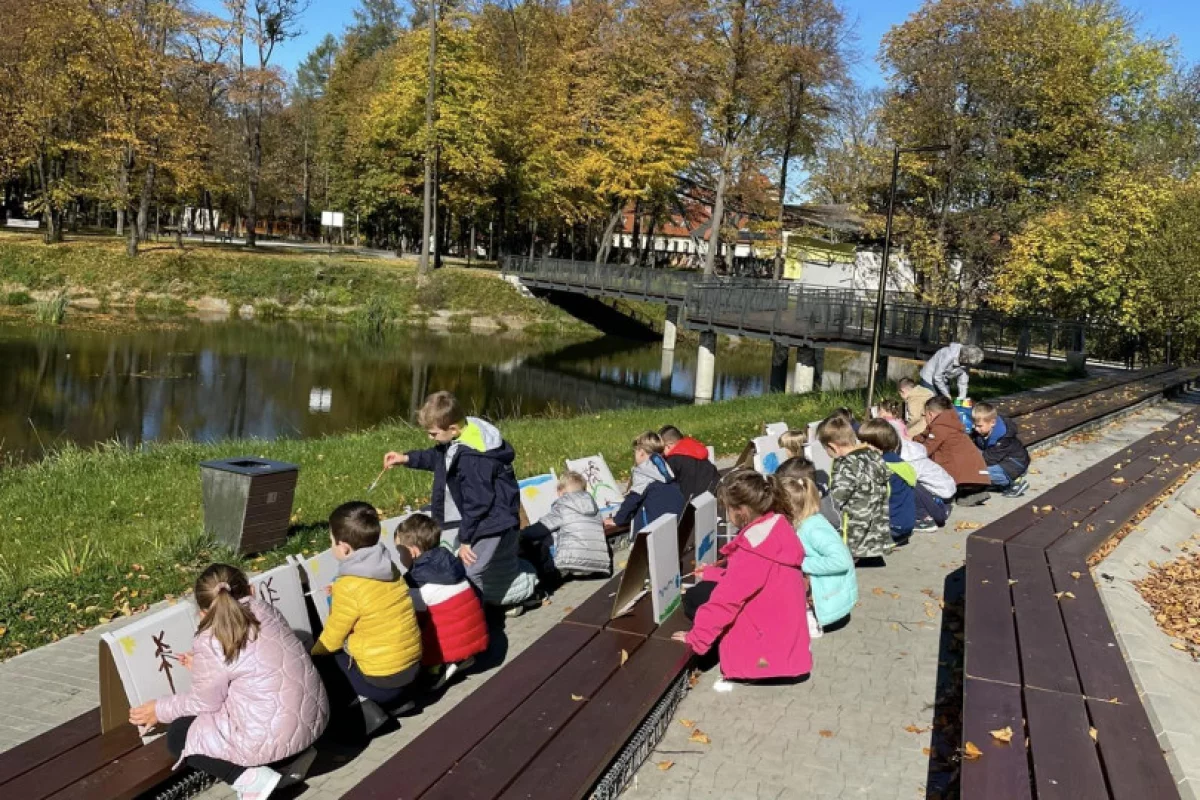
{"x": 768, "y": 455}
{"x": 601, "y": 484}
{"x": 662, "y": 548}
{"x": 146, "y": 653}
{"x": 321, "y": 570}
{"x": 165, "y": 655}
{"x": 706, "y": 529}
{"x": 537, "y": 495}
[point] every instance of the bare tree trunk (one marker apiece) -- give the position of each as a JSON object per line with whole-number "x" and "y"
{"x": 307, "y": 190}
{"x": 783, "y": 174}
{"x": 714, "y": 236}
{"x": 649, "y": 248}
{"x": 609, "y": 230}
{"x": 143, "y": 215}
{"x": 254, "y": 176}
{"x": 430, "y": 97}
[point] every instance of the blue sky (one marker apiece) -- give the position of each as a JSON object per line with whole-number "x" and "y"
{"x": 1163, "y": 18}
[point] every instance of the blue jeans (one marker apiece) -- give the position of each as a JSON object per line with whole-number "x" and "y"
{"x": 998, "y": 476}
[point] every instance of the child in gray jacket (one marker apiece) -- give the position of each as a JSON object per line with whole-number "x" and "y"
{"x": 570, "y": 539}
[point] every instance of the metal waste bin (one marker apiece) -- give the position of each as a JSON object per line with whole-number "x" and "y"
{"x": 248, "y": 502}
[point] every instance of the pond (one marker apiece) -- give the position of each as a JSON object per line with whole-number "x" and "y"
{"x": 139, "y": 383}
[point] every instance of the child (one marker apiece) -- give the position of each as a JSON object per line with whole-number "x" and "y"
{"x": 934, "y": 490}
{"x": 372, "y": 630}
{"x": 802, "y": 468}
{"x": 890, "y": 410}
{"x": 950, "y": 447}
{"x": 859, "y": 486}
{"x": 453, "y": 628}
{"x": 1005, "y": 455}
{"x": 793, "y": 443}
{"x": 688, "y": 459}
{"x": 256, "y": 697}
{"x": 755, "y": 605}
{"x": 474, "y": 484}
{"x": 914, "y": 396}
{"x": 652, "y": 487}
{"x": 847, "y": 416}
{"x": 881, "y": 437}
{"x": 570, "y": 539}
{"x": 827, "y": 561}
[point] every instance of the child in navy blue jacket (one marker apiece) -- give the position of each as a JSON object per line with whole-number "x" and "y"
{"x": 653, "y": 490}
{"x": 474, "y": 485}
{"x": 878, "y": 434}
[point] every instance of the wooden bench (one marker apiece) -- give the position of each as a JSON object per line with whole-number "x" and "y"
{"x": 1041, "y": 657}
{"x": 1025, "y": 402}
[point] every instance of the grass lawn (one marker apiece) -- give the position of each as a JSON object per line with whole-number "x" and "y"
{"x": 90, "y": 535}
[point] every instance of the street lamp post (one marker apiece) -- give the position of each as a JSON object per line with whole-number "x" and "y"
{"x": 872, "y": 373}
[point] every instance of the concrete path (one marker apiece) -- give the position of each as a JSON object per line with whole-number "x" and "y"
{"x": 856, "y": 728}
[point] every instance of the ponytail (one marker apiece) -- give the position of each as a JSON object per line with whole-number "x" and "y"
{"x": 747, "y": 489}
{"x": 221, "y": 591}
{"x": 804, "y": 496}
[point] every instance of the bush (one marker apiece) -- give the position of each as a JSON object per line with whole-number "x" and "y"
{"x": 17, "y": 299}
{"x": 52, "y": 311}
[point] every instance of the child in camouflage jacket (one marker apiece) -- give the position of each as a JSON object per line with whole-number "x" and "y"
{"x": 859, "y": 486}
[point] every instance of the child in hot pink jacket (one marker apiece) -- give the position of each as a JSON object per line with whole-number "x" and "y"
{"x": 754, "y": 608}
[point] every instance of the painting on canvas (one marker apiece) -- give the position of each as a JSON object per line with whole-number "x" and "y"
{"x": 388, "y": 537}
{"x": 601, "y": 484}
{"x": 281, "y": 589}
{"x": 662, "y": 547}
{"x": 706, "y": 529}
{"x": 537, "y": 495}
{"x": 775, "y": 429}
{"x": 321, "y": 570}
{"x": 815, "y": 452}
{"x": 146, "y": 653}
{"x": 768, "y": 455}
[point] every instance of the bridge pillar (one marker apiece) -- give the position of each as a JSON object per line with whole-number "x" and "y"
{"x": 810, "y": 366}
{"x": 779, "y": 367}
{"x": 670, "y": 328}
{"x": 706, "y": 367}
{"x": 666, "y": 370}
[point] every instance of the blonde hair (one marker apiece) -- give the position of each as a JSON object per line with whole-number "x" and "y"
{"x": 836, "y": 430}
{"x": 794, "y": 442}
{"x": 745, "y": 488}
{"x": 220, "y": 590}
{"x": 441, "y": 410}
{"x": 983, "y": 412}
{"x": 804, "y": 496}
{"x": 572, "y": 482}
{"x": 649, "y": 442}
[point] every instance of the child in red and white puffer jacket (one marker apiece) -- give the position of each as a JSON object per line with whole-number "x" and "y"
{"x": 453, "y": 627}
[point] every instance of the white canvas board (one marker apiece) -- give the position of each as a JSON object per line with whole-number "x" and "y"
{"x": 706, "y": 529}
{"x": 712, "y": 455}
{"x": 775, "y": 429}
{"x": 281, "y": 589}
{"x": 388, "y": 537}
{"x": 816, "y": 453}
{"x": 321, "y": 570}
{"x": 768, "y": 455}
{"x": 601, "y": 483}
{"x": 662, "y": 545}
{"x": 146, "y": 653}
{"x": 538, "y": 493}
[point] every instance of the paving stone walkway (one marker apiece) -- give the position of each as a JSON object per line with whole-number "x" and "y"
{"x": 842, "y": 733}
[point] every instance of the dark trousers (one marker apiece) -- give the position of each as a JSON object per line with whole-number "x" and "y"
{"x": 177, "y": 733}
{"x": 363, "y": 685}
{"x": 537, "y": 547}
{"x": 697, "y": 596}
{"x": 930, "y": 506}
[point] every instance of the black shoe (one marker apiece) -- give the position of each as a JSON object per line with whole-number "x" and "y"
{"x": 294, "y": 771}
{"x": 373, "y": 717}
{"x": 901, "y": 541}
{"x": 970, "y": 500}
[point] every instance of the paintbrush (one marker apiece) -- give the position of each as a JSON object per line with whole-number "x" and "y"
{"x": 375, "y": 482}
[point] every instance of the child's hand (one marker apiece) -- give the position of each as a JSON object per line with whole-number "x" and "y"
{"x": 679, "y": 636}
{"x": 394, "y": 459}
{"x": 467, "y": 554}
{"x": 185, "y": 660}
{"x": 145, "y": 715}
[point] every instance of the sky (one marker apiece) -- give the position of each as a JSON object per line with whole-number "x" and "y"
{"x": 1179, "y": 19}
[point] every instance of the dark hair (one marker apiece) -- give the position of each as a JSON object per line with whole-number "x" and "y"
{"x": 670, "y": 434}
{"x": 220, "y": 590}
{"x": 796, "y": 468}
{"x": 905, "y": 383}
{"x": 880, "y": 434}
{"x": 746, "y": 488}
{"x": 938, "y": 403}
{"x": 355, "y": 523}
{"x": 891, "y": 405}
{"x": 845, "y": 414}
{"x": 419, "y": 531}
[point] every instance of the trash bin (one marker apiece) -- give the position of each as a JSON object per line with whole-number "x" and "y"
{"x": 248, "y": 502}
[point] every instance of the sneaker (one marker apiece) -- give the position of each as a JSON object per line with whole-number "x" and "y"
{"x": 814, "y": 627}
{"x": 451, "y": 670}
{"x": 256, "y": 783}
{"x": 373, "y": 716}
{"x": 969, "y": 500}
{"x": 723, "y": 686}
{"x": 926, "y": 525}
{"x": 901, "y": 541}
{"x": 1017, "y": 487}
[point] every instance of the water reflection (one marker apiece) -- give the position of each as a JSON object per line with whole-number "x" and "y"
{"x": 237, "y": 379}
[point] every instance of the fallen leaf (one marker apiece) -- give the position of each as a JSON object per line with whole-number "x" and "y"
{"x": 968, "y": 526}
{"x": 925, "y": 751}
{"x": 693, "y": 679}
{"x": 1002, "y": 734}
{"x": 700, "y": 737}
{"x": 665, "y": 765}
{"x": 577, "y": 697}
{"x": 1118, "y": 480}
{"x": 624, "y": 657}
{"x": 687, "y": 723}
{"x": 914, "y": 729}
{"x": 1076, "y": 574}
{"x": 971, "y": 752}
{"x": 568, "y": 609}
{"x": 1092, "y": 733}
{"x": 825, "y": 734}
{"x": 1011, "y": 581}
{"x": 1179, "y": 646}
{"x": 878, "y": 591}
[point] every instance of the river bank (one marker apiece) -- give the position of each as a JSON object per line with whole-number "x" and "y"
{"x": 230, "y": 281}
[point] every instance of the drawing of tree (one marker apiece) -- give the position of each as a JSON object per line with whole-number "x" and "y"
{"x": 271, "y": 596}
{"x": 165, "y": 654}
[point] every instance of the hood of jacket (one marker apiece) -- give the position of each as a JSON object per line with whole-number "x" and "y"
{"x": 480, "y": 438}
{"x": 757, "y": 539}
{"x": 1001, "y": 430}
{"x": 368, "y": 562}
{"x": 578, "y": 503}
{"x": 438, "y": 566}
{"x": 912, "y": 451}
{"x": 692, "y": 448}
{"x": 906, "y": 472}
{"x": 653, "y": 470}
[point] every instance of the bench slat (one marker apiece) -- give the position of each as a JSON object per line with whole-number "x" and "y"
{"x": 46, "y": 746}
{"x": 1045, "y": 653}
{"x": 597, "y": 609}
{"x": 1002, "y": 772}
{"x": 1131, "y": 753}
{"x": 991, "y": 637}
{"x": 1065, "y": 761}
{"x": 639, "y": 621}
{"x": 71, "y": 765}
{"x": 128, "y": 777}
{"x": 497, "y": 760}
{"x": 678, "y": 621}
{"x": 575, "y": 759}
{"x": 428, "y": 757}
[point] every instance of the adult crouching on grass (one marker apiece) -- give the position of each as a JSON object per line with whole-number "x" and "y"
{"x": 949, "y": 365}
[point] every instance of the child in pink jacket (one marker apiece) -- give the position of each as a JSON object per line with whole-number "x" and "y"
{"x": 256, "y": 697}
{"x": 754, "y": 607}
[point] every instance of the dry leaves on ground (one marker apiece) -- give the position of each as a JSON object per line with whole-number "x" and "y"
{"x": 700, "y": 737}
{"x": 687, "y": 723}
{"x": 968, "y": 526}
{"x": 825, "y": 734}
{"x": 1173, "y": 592}
{"x": 624, "y": 657}
{"x": 1002, "y": 734}
{"x": 665, "y": 765}
{"x": 577, "y": 697}
{"x": 1092, "y": 733}
{"x": 914, "y": 729}
{"x": 971, "y": 752}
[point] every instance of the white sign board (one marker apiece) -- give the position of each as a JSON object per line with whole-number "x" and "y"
{"x": 388, "y": 537}
{"x": 17, "y": 222}
{"x": 321, "y": 570}
{"x": 320, "y": 401}
{"x": 662, "y": 545}
{"x": 775, "y": 429}
{"x": 601, "y": 484}
{"x": 333, "y": 219}
{"x": 145, "y": 655}
{"x": 280, "y": 588}
{"x": 768, "y": 455}
{"x": 706, "y": 529}
{"x": 816, "y": 451}
{"x": 537, "y": 495}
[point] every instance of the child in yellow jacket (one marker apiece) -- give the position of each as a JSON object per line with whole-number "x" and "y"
{"x": 372, "y": 628}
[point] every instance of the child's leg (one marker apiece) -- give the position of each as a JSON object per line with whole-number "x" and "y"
{"x": 998, "y": 476}
{"x": 363, "y": 687}
{"x": 497, "y": 571}
{"x": 697, "y": 596}
{"x": 177, "y": 733}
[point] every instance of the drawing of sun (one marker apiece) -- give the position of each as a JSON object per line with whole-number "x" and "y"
{"x": 128, "y": 643}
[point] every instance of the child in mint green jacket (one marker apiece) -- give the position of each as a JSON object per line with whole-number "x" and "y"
{"x": 827, "y": 560}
